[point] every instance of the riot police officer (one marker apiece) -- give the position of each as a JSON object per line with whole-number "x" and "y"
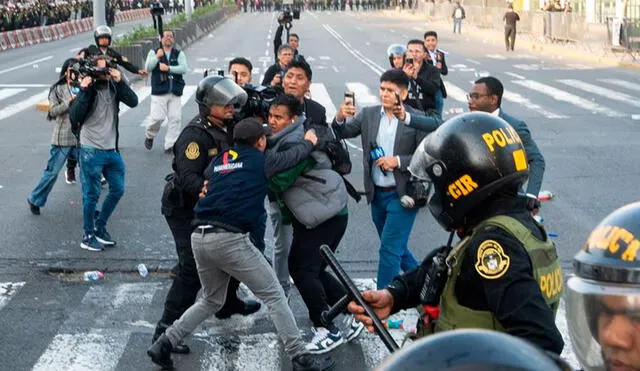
{"x": 504, "y": 274}
{"x": 603, "y": 296}
{"x": 472, "y": 349}
{"x": 102, "y": 36}
{"x": 207, "y": 135}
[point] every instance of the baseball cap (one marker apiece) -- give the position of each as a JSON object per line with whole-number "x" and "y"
{"x": 250, "y": 129}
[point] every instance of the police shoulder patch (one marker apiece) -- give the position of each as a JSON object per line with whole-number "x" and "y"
{"x": 491, "y": 262}
{"x": 193, "y": 151}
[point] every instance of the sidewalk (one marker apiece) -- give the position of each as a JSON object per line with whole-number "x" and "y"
{"x": 594, "y": 53}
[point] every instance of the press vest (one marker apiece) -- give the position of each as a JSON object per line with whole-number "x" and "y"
{"x": 173, "y": 82}
{"x": 546, "y": 270}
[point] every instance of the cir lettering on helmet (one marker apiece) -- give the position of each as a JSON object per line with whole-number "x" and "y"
{"x": 463, "y": 186}
{"x": 551, "y": 283}
{"x": 500, "y": 137}
{"x": 193, "y": 151}
{"x": 491, "y": 263}
{"x": 617, "y": 240}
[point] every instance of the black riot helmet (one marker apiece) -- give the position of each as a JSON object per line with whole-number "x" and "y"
{"x": 100, "y": 32}
{"x": 603, "y": 296}
{"x": 468, "y": 158}
{"x": 472, "y": 350}
{"x": 396, "y": 50}
{"x": 218, "y": 90}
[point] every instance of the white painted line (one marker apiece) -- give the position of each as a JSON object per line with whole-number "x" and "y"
{"x": 364, "y": 97}
{"x": 455, "y": 92}
{"x": 635, "y": 117}
{"x": 392, "y": 30}
{"x": 352, "y": 145}
{"x": 312, "y": 15}
{"x": 417, "y": 29}
{"x": 472, "y": 61}
{"x": 320, "y": 94}
{"x": 563, "y": 96}
{"x": 20, "y": 106}
{"x": 368, "y": 62}
{"x": 7, "y": 291}
{"x": 496, "y": 56}
{"x": 6, "y": 93}
{"x": 335, "y": 68}
{"x": 603, "y": 92}
{"x": 142, "y": 93}
{"x": 26, "y": 64}
{"x": 74, "y": 49}
{"x": 622, "y": 83}
{"x": 325, "y": 57}
{"x": 187, "y": 93}
{"x": 515, "y": 75}
{"x": 24, "y": 85}
{"x": 459, "y": 66}
{"x": 261, "y": 351}
{"x": 517, "y": 98}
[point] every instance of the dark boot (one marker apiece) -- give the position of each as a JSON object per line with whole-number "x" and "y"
{"x": 160, "y": 352}
{"x": 308, "y": 362}
{"x": 233, "y": 305}
{"x": 180, "y": 348}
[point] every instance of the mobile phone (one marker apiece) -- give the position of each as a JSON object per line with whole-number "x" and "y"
{"x": 408, "y": 60}
{"x": 398, "y": 101}
{"x": 350, "y": 98}
{"x": 220, "y": 72}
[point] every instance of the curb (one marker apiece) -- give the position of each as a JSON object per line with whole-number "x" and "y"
{"x": 547, "y": 49}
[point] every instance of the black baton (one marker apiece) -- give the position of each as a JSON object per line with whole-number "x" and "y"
{"x": 354, "y": 294}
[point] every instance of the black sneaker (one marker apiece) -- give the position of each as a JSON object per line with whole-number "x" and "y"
{"x": 160, "y": 352}
{"x": 180, "y": 348}
{"x": 89, "y": 242}
{"x": 243, "y": 308}
{"x": 148, "y": 143}
{"x": 307, "y": 362}
{"x": 35, "y": 210}
{"x": 104, "y": 237}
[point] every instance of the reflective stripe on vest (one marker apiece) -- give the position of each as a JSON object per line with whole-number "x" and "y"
{"x": 546, "y": 270}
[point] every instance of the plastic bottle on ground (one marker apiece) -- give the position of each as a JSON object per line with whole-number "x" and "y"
{"x": 142, "y": 269}
{"x": 93, "y": 275}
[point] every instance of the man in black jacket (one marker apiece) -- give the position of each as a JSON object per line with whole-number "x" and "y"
{"x": 102, "y": 36}
{"x": 297, "y": 82}
{"x": 424, "y": 78}
{"x": 274, "y": 74}
{"x": 97, "y": 123}
{"x": 436, "y": 57}
{"x": 293, "y": 41}
{"x": 206, "y": 136}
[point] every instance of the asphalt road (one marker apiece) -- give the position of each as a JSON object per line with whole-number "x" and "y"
{"x": 583, "y": 117}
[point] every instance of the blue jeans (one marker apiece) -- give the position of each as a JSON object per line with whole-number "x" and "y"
{"x": 93, "y": 164}
{"x": 394, "y": 224}
{"x": 57, "y": 156}
{"x": 457, "y": 23}
{"x": 439, "y": 101}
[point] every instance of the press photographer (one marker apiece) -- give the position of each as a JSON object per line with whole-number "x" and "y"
{"x": 275, "y": 73}
{"x": 94, "y": 119}
{"x": 167, "y": 64}
{"x": 285, "y": 21}
{"x": 102, "y": 36}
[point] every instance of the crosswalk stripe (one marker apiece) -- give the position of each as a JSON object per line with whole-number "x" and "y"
{"x": 320, "y": 94}
{"x": 455, "y": 92}
{"x": 6, "y": 93}
{"x": 363, "y": 95}
{"x": 564, "y": 96}
{"x": 517, "y": 98}
{"x": 622, "y": 83}
{"x": 603, "y": 92}
{"x": 142, "y": 93}
{"x": 7, "y": 291}
{"x": 258, "y": 352}
{"x": 98, "y": 348}
{"x": 20, "y": 106}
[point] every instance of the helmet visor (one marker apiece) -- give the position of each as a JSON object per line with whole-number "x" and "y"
{"x": 421, "y": 161}
{"x": 227, "y": 92}
{"x": 604, "y": 324}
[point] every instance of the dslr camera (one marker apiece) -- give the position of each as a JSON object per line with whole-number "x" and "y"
{"x": 259, "y": 100}
{"x": 88, "y": 67}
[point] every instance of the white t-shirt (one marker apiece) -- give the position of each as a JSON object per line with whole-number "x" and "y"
{"x": 458, "y": 13}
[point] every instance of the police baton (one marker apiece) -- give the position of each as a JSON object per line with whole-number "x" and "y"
{"x": 353, "y": 294}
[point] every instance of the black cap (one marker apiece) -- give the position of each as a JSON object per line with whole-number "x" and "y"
{"x": 250, "y": 130}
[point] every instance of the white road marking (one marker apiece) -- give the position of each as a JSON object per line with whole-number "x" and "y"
{"x": 9, "y": 92}
{"x": 320, "y": 94}
{"x": 75, "y": 49}
{"x": 515, "y": 75}
{"x": 517, "y": 98}
{"x": 363, "y": 95}
{"x": 20, "y": 106}
{"x": 142, "y": 93}
{"x": 455, "y": 92}
{"x": 97, "y": 348}
{"x": 562, "y": 95}
{"x": 368, "y": 62}
{"x": 25, "y": 64}
{"x": 603, "y": 92}
{"x": 623, "y": 83}
{"x": 325, "y": 57}
{"x": 187, "y": 93}
{"x": 7, "y": 291}
{"x": 259, "y": 351}
{"x": 472, "y": 61}
{"x": 417, "y": 29}
{"x": 496, "y": 56}
{"x": 311, "y": 14}
{"x": 24, "y": 85}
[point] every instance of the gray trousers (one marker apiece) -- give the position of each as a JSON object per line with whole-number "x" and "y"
{"x": 222, "y": 255}
{"x": 282, "y": 238}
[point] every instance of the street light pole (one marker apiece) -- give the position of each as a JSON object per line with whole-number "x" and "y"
{"x": 99, "y": 13}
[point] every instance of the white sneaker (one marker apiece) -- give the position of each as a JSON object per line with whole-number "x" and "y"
{"x": 355, "y": 327}
{"x": 324, "y": 341}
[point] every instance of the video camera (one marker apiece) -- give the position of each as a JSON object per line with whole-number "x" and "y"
{"x": 288, "y": 16}
{"x": 88, "y": 67}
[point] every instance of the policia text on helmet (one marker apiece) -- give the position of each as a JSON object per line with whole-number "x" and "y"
{"x": 504, "y": 273}
{"x": 603, "y": 296}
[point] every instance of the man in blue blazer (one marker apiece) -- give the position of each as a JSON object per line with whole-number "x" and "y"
{"x": 486, "y": 96}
